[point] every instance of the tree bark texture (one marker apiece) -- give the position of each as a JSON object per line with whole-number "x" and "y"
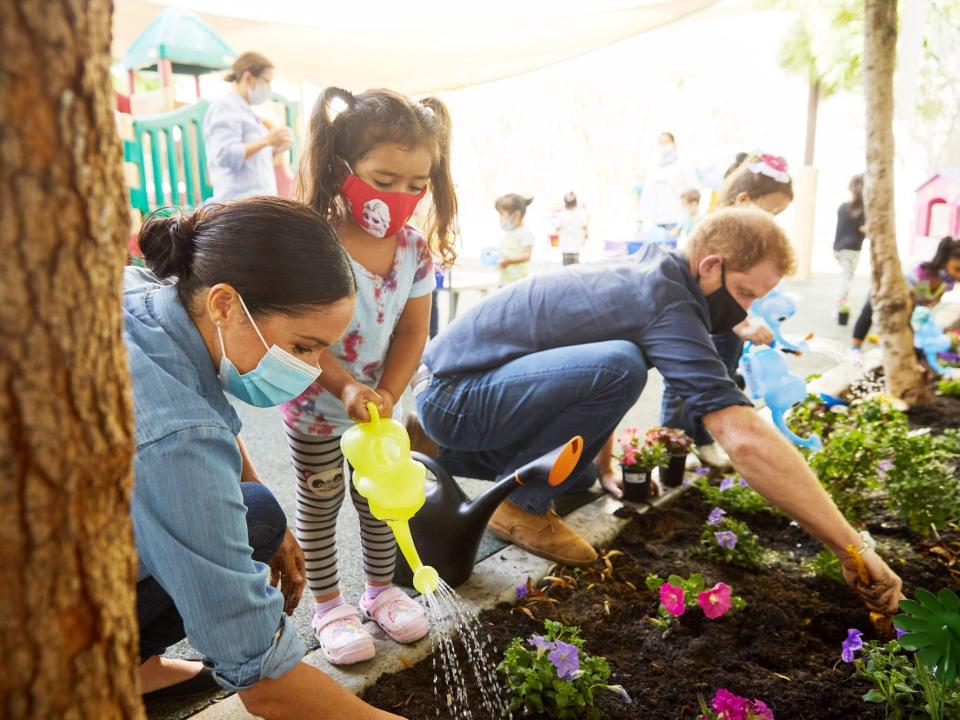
{"x": 68, "y": 631}
{"x": 813, "y": 108}
{"x": 890, "y": 292}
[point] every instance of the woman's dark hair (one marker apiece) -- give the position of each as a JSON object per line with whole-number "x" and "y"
{"x": 512, "y": 202}
{"x": 251, "y": 62}
{"x": 369, "y": 119}
{"x": 280, "y": 255}
{"x": 948, "y": 249}
{"x": 856, "y": 191}
{"x": 755, "y": 184}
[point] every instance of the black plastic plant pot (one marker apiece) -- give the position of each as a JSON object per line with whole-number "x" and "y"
{"x": 672, "y": 474}
{"x": 843, "y": 317}
{"x": 636, "y": 485}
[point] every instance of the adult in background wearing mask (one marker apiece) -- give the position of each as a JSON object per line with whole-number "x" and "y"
{"x": 667, "y": 178}
{"x": 262, "y": 287}
{"x": 500, "y": 387}
{"x": 240, "y": 148}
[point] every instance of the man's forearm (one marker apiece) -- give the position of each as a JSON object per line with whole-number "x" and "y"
{"x": 775, "y": 469}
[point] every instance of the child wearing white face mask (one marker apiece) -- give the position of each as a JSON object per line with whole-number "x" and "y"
{"x": 516, "y": 245}
{"x": 367, "y": 168}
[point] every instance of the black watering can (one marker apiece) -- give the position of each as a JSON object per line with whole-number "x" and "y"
{"x": 448, "y": 528}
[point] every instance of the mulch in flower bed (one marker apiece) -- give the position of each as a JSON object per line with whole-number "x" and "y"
{"x": 784, "y": 648}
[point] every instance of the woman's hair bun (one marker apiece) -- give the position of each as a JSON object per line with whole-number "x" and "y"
{"x": 167, "y": 244}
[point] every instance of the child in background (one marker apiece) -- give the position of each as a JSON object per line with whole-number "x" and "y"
{"x": 366, "y": 170}
{"x": 928, "y": 282}
{"x": 848, "y": 241}
{"x": 571, "y": 229}
{"x": 691, "y": 208}
{"x": 516, "y": 245}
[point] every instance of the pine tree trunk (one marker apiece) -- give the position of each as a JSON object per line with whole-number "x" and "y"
{"x": 68, "y": 631}
{"x": 890, "y": 292}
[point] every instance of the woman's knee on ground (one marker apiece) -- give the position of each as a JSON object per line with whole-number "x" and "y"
{"x": 266, "y": 522}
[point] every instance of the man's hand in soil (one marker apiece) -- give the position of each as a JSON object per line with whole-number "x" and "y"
{"x": 883, "y": 592}
{"x": 773, "y": 467}
{"x": 288, "y": 571}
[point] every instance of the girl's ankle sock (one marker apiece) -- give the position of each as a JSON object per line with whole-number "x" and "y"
{"x": 322, "y": 608}
{"x": 372, "y": 591}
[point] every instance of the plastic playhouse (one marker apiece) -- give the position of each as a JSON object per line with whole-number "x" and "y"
{"x": 163, "y": 149}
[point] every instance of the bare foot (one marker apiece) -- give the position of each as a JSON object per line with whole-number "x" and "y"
{"x": 160, "y": 672}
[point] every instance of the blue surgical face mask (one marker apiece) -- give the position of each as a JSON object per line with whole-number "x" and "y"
{"x": 278, "y": 378}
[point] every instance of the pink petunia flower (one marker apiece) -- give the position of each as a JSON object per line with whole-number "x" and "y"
{"x": 672, "y": 599}
{"x": 715, "y": 601}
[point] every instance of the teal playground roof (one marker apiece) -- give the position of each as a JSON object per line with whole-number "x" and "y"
{"x": 183, "y": 38}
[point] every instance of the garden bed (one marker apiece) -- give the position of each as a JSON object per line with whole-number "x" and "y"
{"x": 783, "y": 648}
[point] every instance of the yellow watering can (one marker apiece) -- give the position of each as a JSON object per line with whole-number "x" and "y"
{"x": 393, "y": 483}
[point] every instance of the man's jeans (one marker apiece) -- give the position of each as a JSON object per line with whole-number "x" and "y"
{"x": 488, "y": 424}
{"x": 160, "y": 623}
{"x": 672, "y": 412}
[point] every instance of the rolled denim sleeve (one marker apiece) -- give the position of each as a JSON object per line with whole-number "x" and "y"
{"x": 678, "y": 345}
{"x": 223, "y": 135}
{"x": 190, "y": 524}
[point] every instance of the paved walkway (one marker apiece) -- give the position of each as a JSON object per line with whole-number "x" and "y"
{"x": 263, "y": 435}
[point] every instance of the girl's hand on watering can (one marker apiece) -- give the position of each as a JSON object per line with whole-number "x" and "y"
{"x": 355, "y": 397}
{"x": 288, "y": 570}
{"x": 387, "y": 402}
{"x": 757, "y": 334}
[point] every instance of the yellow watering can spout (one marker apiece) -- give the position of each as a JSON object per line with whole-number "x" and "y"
{"x": 393, "y": 483}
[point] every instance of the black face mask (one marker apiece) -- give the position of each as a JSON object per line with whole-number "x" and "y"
{"x": 725, "y": 312}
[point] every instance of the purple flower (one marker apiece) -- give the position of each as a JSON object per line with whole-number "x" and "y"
{"x": 743, "y": 483}
{"x": 541, "y": 643}
{"x": 566, "y": 659}
{"x": 726, "y": 483}
{"x": 900, "y": 632}
{"x": 522, "y": 591}
{"x": 726, "y": 539}
{"x": 701, "y": 471}
{"x": 853, "y": 643}
{"x": 716, "y": 515}
{"x": 884, "y": 466}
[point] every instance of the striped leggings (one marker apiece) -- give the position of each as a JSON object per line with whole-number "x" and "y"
{"x": 321, "y": 485}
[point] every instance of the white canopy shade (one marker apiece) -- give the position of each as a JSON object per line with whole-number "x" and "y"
{"x": 418, "y": 47}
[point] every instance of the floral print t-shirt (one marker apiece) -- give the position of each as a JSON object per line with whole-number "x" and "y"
{"x": 363, "y": 348}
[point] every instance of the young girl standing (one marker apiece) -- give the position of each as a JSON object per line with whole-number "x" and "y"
{"x": 516, "y": 245}
{"x": 367, "y": 168}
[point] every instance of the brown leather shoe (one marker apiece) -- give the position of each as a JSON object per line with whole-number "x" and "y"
{"x": 419, "y": 440}
{"x": 544, "y": 535}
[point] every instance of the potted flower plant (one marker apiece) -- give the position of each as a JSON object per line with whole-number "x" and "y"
{"x": 638, "y": 457}
{"x": 843, "y": 312}
{"x": 677, "y": 444}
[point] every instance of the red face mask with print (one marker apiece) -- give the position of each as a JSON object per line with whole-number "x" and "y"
{"x": 379, "y": 213}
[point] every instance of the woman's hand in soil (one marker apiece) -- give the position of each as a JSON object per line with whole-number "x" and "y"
{"x": 288, "y": 570}
{"x": 883, "y": 592}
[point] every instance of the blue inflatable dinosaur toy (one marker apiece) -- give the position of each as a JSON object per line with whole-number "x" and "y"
{"x": 765, "y": 369}
{"x": 929, "y": 338}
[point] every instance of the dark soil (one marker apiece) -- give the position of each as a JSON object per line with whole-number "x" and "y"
{"x": 942, "y": 413}
{"x": 784, "y": 648}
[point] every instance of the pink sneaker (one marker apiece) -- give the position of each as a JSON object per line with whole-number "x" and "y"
{"x": 400, "y": 616}
{"x": 342, "y": 637}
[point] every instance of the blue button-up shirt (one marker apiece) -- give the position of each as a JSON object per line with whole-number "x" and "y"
{"x": 189, "y": 519}
{"x": 651, "y": 300}
{"x": 228, "y": 125}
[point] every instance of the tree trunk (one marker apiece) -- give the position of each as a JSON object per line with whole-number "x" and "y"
{"x": 68, "y": 631}
{"x": 890, "y": 292}
{"x": 813, "y": 106}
